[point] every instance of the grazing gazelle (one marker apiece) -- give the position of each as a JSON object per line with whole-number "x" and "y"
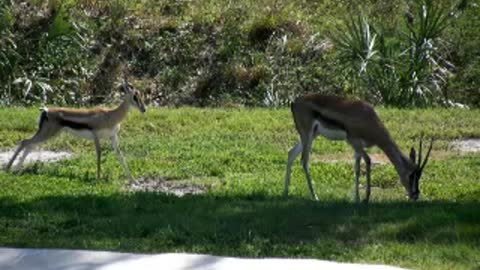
{"x": 94, "y": 124}
{"x": 356, "y": 122}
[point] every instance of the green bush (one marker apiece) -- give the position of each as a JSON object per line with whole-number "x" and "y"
{"x": 44, "y": 58}
{"x": 243, "y": 52}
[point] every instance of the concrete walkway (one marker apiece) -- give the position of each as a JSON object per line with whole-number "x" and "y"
{"x": 61, "y": 259}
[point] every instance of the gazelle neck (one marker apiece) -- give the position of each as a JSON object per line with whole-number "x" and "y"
{"x": 121, "y": 111}
{"x": 402, "y": 163}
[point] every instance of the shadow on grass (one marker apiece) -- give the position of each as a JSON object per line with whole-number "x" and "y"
{"x": 254, "y": 225}
{"x": 67, "y": 169}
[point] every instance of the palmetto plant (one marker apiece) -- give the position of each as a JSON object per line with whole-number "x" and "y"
{"x": 357, "y": 44}
{"x": 407, "y": 72}
{"x": 427, "y": 68}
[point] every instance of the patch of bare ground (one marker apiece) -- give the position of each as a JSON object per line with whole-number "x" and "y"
{"x": 34, "y": 156}
{"x": 166, "y": 185}
{"x": 466, "y": 145}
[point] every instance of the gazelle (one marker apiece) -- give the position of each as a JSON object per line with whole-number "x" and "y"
{"x": 94, "y": 124}
{"x": 356, "y": 122}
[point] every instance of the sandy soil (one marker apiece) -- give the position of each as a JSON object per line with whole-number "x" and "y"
{"x": 466, "y": 145}
{"x": 41, "y": 155}
{"x": 158, "y": 184}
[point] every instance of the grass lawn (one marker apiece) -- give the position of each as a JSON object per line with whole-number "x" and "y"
{"x": 240, "y": 155}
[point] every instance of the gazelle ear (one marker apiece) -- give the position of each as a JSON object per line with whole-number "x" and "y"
{"x": 412, "y": 154}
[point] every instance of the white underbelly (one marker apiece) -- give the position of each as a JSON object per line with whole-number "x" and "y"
{"x": 87, "y": 134}
{"x": 331, "y": 134}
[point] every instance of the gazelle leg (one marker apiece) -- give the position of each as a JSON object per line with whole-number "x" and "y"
{"x": 358, "y": 147}
{"x": 24, "y": 155}
{"x": 120, "y": 157}
{"x": 44, "y": 133}
{"x": 306, "y": 146}
{"x": 98, "y": 150}
{"x": 358, "y": 158}
{"x": 368, "y": 167}
{"x": 292, "y": 154}
{"x": 20, "y": 147}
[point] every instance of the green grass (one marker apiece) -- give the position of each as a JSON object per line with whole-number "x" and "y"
{"x": 240, "y": 154}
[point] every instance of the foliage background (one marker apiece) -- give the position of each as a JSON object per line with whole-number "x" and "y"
{"x": 238, "y": 52}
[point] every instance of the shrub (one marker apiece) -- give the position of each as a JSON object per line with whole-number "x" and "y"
{"x": 402, "y": 72}
{"x": 249, "y": 52}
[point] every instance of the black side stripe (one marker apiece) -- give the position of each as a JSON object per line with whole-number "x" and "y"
{"x": 74, "y": 125}
{"x": 330, "y": 123}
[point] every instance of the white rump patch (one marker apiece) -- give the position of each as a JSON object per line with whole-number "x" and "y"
{"x": 43, "y": 109}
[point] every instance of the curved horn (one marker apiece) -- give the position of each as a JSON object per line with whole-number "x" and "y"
{"x": 125, "y": 84}
{"x": 427, "y": 156}
{"x": 420, "y": 151}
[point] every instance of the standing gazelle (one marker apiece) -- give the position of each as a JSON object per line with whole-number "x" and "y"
{"x": 356, "y": 122}
{"x": 95, "y": 124}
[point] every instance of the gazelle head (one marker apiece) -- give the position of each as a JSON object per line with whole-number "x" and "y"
{"x": 135, "y": 97}
{"x": 412, "y": 183}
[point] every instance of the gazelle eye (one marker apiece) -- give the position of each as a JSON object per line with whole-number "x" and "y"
{"x": 135, "y": 98}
